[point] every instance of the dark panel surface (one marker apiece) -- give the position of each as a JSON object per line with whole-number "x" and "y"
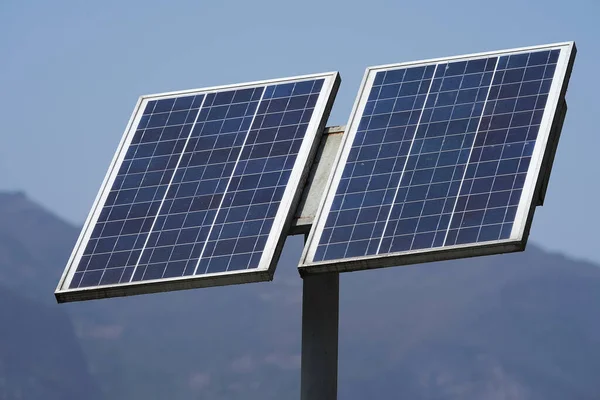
{"x": 200, "y": 185}
{"x": 440, "y": 156}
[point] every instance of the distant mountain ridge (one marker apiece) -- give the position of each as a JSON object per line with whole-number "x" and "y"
{"x": 40, "y": 356}
{"x": 33, "y": 244}
{"x": 518, "y": 326}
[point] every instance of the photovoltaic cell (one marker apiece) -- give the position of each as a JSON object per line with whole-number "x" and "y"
{"x": 204, "y": 185}
{"x": 438, "y": 155}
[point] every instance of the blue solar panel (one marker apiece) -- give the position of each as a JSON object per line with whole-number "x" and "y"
{"x": 439, "y": 155}
{"x": 204, "y": 186}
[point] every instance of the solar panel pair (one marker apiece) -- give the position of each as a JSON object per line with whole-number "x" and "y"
{"x": 441, "y": 159}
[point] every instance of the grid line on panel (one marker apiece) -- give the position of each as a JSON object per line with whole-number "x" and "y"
{"x": 441, "y": 197}
{"x": 220, "y": 210}
{"x": 495, "y": 177}
{"x": 140, "y": 183}
{"x": 504, "y": 220}
{"x": 199, "y": 184}
{"x": 228, "y": 183}
{"x": 167, "y": 189}
{"x": 461, "y": 194}
{"x": 387, "y": 220}
{"x": 167, "y": 252}
{"x": 379, "y": 139}
{"x": 208, "y": 222}
{"x": 204, "y": 170}
{"x": 463, "y": 144}
{"x": 470, "y": 153}
{"x": 434, "y": 139}
{"x": 457, "y": 178}
{"x": 282, "y": 177}
{"x": 510, "y": 165}
{"x": 279, "y": 134}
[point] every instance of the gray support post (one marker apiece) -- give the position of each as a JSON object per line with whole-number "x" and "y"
{"x": 320, "y": 293}
{"x": 320, "y": 317}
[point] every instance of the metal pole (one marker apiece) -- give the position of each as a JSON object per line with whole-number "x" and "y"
{"x": 320, "y": 293}
{"x": 320, "y": 317}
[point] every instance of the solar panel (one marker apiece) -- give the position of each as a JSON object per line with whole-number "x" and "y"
{"x": 201, "y": 190}
{"x": 442, "y": 159}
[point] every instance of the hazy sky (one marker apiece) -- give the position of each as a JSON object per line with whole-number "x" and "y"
{"x": 71, "y": 72}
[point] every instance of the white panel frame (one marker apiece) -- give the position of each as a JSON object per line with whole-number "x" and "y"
{"x": 281, "y": 223}
{"x": 532, "y": 195}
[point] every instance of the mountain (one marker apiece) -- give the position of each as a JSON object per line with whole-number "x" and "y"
{"x": 33, "y": 243}
{"x": 40, "y": 355}
{"x": 518, "y": 326}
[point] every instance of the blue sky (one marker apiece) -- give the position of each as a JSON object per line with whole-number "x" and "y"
{"x": 72, "y": 71}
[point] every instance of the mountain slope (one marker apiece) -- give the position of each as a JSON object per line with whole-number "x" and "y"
{"x": 39, "y": 354}
{"x": 518, "y": 326}
{"x": 33, "y": 245}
